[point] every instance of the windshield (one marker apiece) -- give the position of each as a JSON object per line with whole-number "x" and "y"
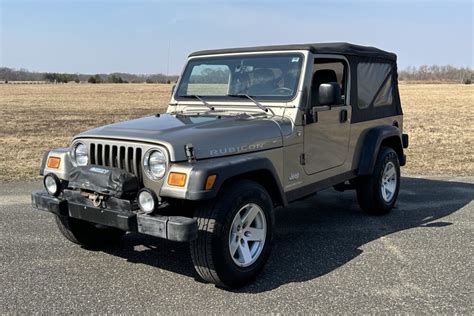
{"x": 263, "y": 77}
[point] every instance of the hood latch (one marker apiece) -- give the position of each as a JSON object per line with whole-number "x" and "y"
{"x": 189, "y": 149}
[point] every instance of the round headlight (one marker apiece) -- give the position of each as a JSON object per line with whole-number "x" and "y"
{"x": 147, "y": 201}
{"x": 79, "y": 154}
{"x": 52, "y": 184}
{"x": 154, "y": 164}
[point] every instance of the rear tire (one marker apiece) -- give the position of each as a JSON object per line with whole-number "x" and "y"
{"x": 378, "y": 192}
{"x": 88, "y": 234}
{"x": 235, "y": 235}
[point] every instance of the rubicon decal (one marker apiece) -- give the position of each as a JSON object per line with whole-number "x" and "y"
{"x": 236, "y": 149}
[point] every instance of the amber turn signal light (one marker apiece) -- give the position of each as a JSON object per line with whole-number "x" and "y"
{"x": 210, "y": 182}
{"x": 54, "y": 162}
{"x": 177, "y": 179}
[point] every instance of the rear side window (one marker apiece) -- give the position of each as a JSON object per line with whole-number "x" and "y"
{"x": 374, "y": 85}
{"x": 384, "y": 97}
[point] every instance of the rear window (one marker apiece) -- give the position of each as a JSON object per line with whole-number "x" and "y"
{"x": 374, "y": 85}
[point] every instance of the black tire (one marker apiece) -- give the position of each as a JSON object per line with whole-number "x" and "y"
{"x": 210, "y": 252}
{"x": 88, "y": 234}
{"x": 369, "y": 191}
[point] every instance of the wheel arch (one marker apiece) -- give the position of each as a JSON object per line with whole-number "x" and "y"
{"x": 375, "y": 138}
{"x": 266, "y": 179}
{"x": 395, "y": 143}
{"x": 258, "y": 169}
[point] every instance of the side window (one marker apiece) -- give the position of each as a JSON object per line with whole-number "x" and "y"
{"x": 325, "y": 71}
{"x": 385, "y": 97}
{"x": 374, "y": 85}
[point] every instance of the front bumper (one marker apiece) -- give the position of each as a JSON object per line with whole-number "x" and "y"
{"x": 117, "y": 214}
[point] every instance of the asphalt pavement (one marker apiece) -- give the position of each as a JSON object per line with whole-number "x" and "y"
{"x": 328, "y": 257}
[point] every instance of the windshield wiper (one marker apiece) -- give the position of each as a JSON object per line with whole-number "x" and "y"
{"x": 261, "y": 106}
{"x": 194, "y": 96}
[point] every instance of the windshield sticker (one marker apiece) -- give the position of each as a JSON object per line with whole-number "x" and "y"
{"x": 295, "y": 59}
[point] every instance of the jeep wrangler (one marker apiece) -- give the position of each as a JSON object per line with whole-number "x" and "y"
{"x": 247, "y": 130}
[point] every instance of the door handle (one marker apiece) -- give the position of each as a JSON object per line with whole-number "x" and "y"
{"x": 316, "y": 109}
{"x": 343, "y": 116}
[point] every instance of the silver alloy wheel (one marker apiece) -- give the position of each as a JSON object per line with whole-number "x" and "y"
{"x": 247, "y": 235}
{"x": 388, "y": 184}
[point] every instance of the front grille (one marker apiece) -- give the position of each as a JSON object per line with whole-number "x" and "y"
{"x": 117, "y": 156}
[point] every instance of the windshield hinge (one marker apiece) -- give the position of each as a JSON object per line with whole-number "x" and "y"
{"x": 303, "y": 119}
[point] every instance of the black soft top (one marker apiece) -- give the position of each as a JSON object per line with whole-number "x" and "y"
{"x": 318, "y": 48}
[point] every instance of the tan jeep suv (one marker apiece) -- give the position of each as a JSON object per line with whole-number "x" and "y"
{"x": 247, "y": 130}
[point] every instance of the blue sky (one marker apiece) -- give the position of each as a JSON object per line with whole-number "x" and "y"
{"x": 135, "y": 36}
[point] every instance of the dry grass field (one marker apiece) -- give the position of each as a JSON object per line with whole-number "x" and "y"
{"x": 37, "y": 117}
{"x": 439, "y": 119}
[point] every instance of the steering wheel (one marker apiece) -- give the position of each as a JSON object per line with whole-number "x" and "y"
{"x": 282, "y": 91}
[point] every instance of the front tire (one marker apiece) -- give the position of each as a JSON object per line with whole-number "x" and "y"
{"x": 88, "y": 234}
{"x": 235, "y": 235}
{"x": 378, "y": 192}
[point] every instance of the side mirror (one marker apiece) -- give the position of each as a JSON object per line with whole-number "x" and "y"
{"x": 329, "y": 94}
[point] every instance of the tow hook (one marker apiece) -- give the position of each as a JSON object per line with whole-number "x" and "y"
{"x": 98, "y": 200}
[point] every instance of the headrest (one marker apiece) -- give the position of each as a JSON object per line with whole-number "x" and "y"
{"x": 324, "y": 76}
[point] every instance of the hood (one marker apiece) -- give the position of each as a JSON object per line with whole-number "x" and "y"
{"x": 211, "y": 135}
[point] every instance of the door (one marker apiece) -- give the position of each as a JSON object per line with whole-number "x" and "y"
{"x": 326, "y": 134}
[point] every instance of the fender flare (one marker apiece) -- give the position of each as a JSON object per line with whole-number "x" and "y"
{"x": 225, "y": 170}
{"x": 371, "y": 146}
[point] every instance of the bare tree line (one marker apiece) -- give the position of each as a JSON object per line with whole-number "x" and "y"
{"x": 10, "y": 74}
{"x": 446, "y": 73}
{"x": 433, "y": 73}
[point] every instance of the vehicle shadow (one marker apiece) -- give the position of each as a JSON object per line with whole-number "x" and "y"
{"x": 317, "y": 235}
